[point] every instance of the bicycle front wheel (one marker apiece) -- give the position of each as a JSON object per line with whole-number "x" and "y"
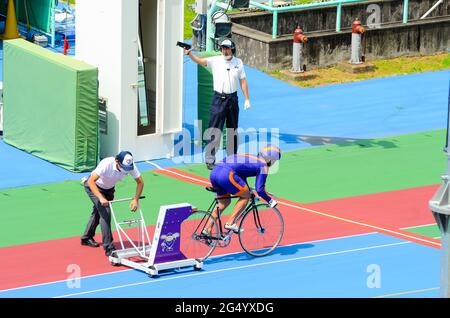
{"x": 199, "y": 235}
{"x": 261, "y": 230}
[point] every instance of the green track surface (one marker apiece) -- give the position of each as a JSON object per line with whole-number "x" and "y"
{"x": 59, "y": 210}
{"x": 351, "y": 169}
{"x": 427, "y": 230}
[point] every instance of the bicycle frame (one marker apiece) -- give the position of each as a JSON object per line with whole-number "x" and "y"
{"x": 209, "y": 229}
{"x": 251, "y": 205}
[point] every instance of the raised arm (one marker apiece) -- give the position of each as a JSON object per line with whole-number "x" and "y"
{"x": 195, "y": 58}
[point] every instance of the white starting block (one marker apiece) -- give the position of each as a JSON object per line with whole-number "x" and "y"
{"x": 164, "y": 253}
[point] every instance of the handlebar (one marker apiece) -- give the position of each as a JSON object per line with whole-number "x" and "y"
{"x": 127, "y": 199}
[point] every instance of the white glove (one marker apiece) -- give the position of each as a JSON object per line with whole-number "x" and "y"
{"x": 247, "y": 104}
{"x": 273, "y": 203}
{"x": 83, "y": 180}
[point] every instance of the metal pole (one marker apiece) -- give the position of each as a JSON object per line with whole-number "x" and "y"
{"x": 445, "y": 257}
{"x": 405, "y": 11}
{"x": 209, "y": 40}
{"x": 432, "y": 8}
{"x": 303, "y": 6}
{"x": 356, "y": 49}
{"x": 338, "y": 17}
{"x": 440, "y": 206}
{"x": 275, "y": 25}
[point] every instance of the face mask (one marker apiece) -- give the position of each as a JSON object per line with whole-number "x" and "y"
{"x": 227, "y": 58}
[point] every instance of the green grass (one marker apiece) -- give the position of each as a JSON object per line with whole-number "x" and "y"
{"x": 189, "y": 15}
{"x": 383, "y": 68}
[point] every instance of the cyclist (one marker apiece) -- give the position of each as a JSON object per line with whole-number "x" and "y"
{"x": 229, "y": 177}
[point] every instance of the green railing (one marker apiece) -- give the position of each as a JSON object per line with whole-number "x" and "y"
{"x": 337, "y": 3}
{"x": 216, "y": 4}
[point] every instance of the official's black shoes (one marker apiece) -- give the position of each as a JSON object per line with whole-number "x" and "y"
{"x": 89, "y": 242}
{"x": 109, "y": 251}
{"x": 210, "y": 165}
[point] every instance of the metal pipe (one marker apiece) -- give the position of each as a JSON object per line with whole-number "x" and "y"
{"x": 338, "y": 17}
{"x": 405, "y": 11}
{"x": 303, "y": 6}
{"x": 274, "y": 25}
{"x": 440, "y": 207}
{"x": 432, "y": 9}
{"x": 209, "y": 40}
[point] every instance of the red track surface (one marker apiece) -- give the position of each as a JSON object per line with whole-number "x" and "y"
{"x": 43, "y": 262}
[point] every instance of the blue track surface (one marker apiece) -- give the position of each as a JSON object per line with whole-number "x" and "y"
{"x": 361, "y": 110}
{"x": 19, "y": 168}
{"x": 328, "y": 268}
{"x": 336, "y": 113}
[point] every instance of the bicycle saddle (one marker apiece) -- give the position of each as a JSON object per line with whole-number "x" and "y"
{"x": 212, "y": 189}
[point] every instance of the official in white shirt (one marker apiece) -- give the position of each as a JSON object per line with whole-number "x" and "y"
{"x": 227, "y": 72}
{"x": 100, "y": 187}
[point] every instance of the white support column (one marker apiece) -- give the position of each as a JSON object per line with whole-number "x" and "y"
{"x": 107, "y": 37}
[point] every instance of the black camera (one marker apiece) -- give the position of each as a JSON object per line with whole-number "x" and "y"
{"x": 184, "y": 45}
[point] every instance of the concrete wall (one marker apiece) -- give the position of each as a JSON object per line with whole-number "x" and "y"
{"x": 324, "y": 19}
{"x": 327, "y": 47}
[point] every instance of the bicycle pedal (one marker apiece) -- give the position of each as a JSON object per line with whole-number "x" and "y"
{"x": 225, "y": 237}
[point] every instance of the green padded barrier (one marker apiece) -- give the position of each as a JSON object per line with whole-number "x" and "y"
{"x": 50, "y": 105}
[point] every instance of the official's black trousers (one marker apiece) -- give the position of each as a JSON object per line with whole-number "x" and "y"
{"x": 100, "y": 215}
{"x": 224, "y": 107}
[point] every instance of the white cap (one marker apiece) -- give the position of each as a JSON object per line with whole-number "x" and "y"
{"x": 226, "y": 43}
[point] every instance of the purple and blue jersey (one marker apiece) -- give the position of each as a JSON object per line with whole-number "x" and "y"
{"x": 230, "y": 175}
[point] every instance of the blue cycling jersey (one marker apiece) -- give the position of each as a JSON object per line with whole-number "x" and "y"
{"x": 246, "y": 165}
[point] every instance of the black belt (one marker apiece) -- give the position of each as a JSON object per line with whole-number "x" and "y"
{"x": 100, "y": 188}
{"x": 224, "y": 94}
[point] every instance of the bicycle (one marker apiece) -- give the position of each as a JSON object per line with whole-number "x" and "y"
{"x": 261, "y": 229}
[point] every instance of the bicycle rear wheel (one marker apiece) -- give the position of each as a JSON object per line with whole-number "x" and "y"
{"x": 195, "y": 242}
{"x": 261, "y": 230}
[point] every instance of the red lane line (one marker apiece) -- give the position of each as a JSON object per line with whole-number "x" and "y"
{"x": 51, "y": 258}
{"x": 181, "y": 175}
{"x": 393, "y": 232}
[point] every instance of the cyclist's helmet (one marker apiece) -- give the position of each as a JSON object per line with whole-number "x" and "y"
{"x": 270, "y": 154}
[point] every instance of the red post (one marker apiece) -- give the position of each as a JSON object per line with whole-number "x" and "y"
{"x": 66, "y": 45}
{"x": 357, "y": 27}
{"x": 299, "y": 37}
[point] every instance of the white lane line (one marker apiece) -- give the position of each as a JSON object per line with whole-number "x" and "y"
{"x": 212, "y": 257}
{"x": 407, "y": 292}
{"x": 232, "y": 268}
{"x": 178, "y": 174}
{"x": 363, "y": 224}
{"x": 281, "y": 201}
{"x": 414, "y": 227}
